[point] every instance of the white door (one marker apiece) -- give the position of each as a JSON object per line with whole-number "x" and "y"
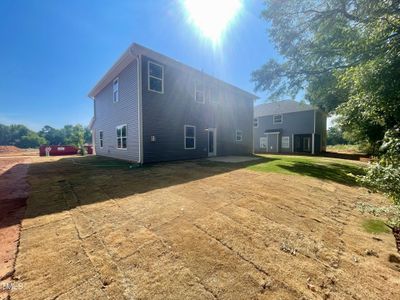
{"x": 212, "y": 142}
{"x": 263, "y": 143}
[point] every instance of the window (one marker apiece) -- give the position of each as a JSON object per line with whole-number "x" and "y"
{"x": 155, "y": 77}
{"x": 285, "y": 142}
{"x": 239, "y": 135}
{"x": 190, "y": 137}
{"x": 121, "y": 137}
{"x": 101, "y": 139}
{"x": 116, "y": 90}
{"x": 255, "y": 122}
{"x": 277, "y": 119}
{"x": 199, "y": 94}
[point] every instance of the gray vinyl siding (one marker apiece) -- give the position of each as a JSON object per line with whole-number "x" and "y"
{"x": 109, "y": 115}
{"x": 293, "y": 123}
{"x": 164, "y": 117}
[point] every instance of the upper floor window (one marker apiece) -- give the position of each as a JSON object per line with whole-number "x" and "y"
{"x": 189, "y": 136}
{"x": 199, "y": 94}
{"x": 116, "y": 90}
{"x": 155, "y": 77}
{"x": 101, "y": 139}
{"x": 255, "y": 122}
{"x": 277, "y": 119}
{"x": 121, "y": 137}
{"x": 239, "y": 135}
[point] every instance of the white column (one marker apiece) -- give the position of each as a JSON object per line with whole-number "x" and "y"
{"x": 312, "y": 145}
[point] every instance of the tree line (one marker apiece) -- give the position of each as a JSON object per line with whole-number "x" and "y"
{"x": 22, "y": 137}
{"x": 344, "y": 56}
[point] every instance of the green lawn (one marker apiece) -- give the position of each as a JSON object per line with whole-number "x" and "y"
{"x": 338, "y": 170}
{"x": 375, "y": 226}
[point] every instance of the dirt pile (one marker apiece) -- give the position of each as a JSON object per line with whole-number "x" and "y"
{"x": 10, "y": 149}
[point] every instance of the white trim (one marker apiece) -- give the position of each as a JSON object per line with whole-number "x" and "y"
{"x": 116, "y": 80}
{"x": 288, "y": 140}
{"x": 195, "y": 93}
{"x": 274, "y": 132}
{"x": 315, "y": 112}
{"x": 273, "y": 119}
{"x": 139, "y": 91}
{"x": 101, "y": 139}
{"x": 214, "y": 130}
{"x": 312, "y": 143}
{"x": 236, "y": 135}
{"x": 191, "y": 137}
{"x": 257, "y": 122}
{"x": 155, "y": 77}
{"x": 126, "y": 136}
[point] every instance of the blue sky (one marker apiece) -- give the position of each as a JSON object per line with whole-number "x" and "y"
{"x": 54, "y": 51}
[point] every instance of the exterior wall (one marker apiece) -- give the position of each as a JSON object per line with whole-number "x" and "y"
{"x": 164, "y": 117}
{"x": 108, "y": 115}
{"x": 293, "y": 123}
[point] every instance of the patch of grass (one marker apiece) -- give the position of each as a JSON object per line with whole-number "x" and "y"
{"x": 323, "y": 168}
{"x": 344, "y": 148}
{"x": 375, "y": 226}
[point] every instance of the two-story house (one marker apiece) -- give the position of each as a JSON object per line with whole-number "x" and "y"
{"x": 150, "y": 108}
{"x": 289, "y": 126}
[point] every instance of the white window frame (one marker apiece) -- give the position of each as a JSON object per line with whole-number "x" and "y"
{"x": 121, "y": 137}
{"x": 236, "y": 135}
{"x": 101, "y": 138}
{"x": 255, "y": 120}
{"x": 115, "y": 87}
{"x": 189, "y": 137}
{"x": 273, "y": 119}
{"x": 201, "y": 90}
{"x": 155, "y": 77}
{"x": 287, "y": 140}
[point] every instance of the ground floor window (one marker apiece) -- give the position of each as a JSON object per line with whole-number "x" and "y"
{"x": 239, "y": 135}
{"x": 189, "y": 137}
{"x": 101, "y": 139}
{"x": 285, "y": 142}
{"x": 121, "y": 137}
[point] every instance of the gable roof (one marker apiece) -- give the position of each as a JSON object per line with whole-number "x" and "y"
{"x": 135, "y": 50}
{"x": 281, "y": 107}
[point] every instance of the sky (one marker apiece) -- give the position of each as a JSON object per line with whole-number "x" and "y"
{"x": 53, "y": 52}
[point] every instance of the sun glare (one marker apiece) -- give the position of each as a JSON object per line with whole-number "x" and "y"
{"x": 212, "y": 17}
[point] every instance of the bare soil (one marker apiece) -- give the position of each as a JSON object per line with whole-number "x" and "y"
{"x": 13, "y": 195}
{"x": 195, "y": 230}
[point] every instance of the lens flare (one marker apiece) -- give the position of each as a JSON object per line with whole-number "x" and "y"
{"x": 212, "y": 17}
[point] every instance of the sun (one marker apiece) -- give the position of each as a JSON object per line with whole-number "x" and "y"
{"x": 212, "y": 17}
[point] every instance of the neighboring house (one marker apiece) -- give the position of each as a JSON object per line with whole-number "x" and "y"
{"x": 289, "y": 126}
{"x": 151, "y": 108}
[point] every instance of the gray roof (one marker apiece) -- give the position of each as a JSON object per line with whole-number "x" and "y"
{"x": 281, "y": 107}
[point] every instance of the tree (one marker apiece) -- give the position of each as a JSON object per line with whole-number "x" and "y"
{"x": 335, "y": 136}
{"x": 31, "y": 140}
{"x": 344, "y": 54}
{"x": 53, "y": 136}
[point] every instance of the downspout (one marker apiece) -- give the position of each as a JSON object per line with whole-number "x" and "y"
{"x": 313, "y": 136}
{"x": 139, "y": 100}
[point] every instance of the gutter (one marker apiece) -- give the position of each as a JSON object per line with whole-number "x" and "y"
{"x": 139, "y": 100}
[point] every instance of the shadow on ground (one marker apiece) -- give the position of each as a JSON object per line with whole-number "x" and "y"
{"x": 56, "y": 184}
{"x": 340, "y": 173}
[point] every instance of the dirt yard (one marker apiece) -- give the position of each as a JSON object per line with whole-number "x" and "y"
{"x": 197, "y": 230}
